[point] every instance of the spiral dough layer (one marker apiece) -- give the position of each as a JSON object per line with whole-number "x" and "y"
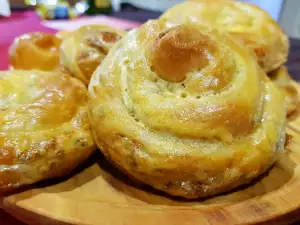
{"x": 247, "y": 22}
{"x": 83, "y": 50}
{"x": 185, "y": 110}
{"x": 44, "y": 129}
{"x": 35, "y": 51}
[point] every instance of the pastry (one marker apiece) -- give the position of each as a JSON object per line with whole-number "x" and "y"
{"x": 35, "y": 51}
{"x": 84, "y": 50}
{"x": 283, "y": 80}
{"x": 186, "y": 110}
{"x": 45, "y": 131}
{"x": 63, "y": 34}
{"x": 249, "y": 23}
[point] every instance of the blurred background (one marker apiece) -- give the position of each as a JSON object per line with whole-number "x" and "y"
{"x": 286, "y": 12}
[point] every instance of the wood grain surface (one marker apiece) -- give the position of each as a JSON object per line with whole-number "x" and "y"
{"x": 97, "y": 193}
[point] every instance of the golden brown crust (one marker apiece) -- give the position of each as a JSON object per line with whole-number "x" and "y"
{"x": 172, "y": 61}
{"x": 247, "y": 22}
{"x": 195, "y": 129}
{"x": 83, "y": 50}
{"x": 35, "y": 51}
{"x": 283, "y": 80}
{"x": 44, "y": 126}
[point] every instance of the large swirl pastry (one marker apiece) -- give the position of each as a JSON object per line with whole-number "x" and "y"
{"x": 84, "y": 49}
{"x": 45, "y": 130}
{"x": 252, "y": 25}
{"x": 35, "y": 51}
{"x": 186, "y": 110}
{"x": 284, "y": 81}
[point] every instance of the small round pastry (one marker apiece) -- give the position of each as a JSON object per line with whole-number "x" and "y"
{"x": 186, "y": 110}
{"x": 35, "y": 51}
{"x": 83, "y": 51}
{"x": 252, "y": 25}
{"x": 45, "y": 131}
{"x": 283, "y": 80}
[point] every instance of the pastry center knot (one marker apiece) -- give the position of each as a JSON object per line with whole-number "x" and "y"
{"x": 179, "y": 51}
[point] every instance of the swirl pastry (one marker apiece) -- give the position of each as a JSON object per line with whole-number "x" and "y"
{"x": 283, "y": 80}
{"x": 84, "y": 50}
{"x": 35, "y": 51}
{"x": 252, "y": 25}
{"x": 186, "y": 110}
{"x": 45, "y": 130}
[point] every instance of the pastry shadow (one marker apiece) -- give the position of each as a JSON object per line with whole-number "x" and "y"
{"x": 273, "y": 179}
{"x": 98, "y": 168}
{"x": 61, "y": 184}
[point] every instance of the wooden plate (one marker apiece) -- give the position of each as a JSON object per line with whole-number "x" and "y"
{"x": 98, "y": 194}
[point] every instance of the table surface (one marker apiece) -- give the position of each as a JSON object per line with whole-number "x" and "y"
{"x": 23, "y": 22}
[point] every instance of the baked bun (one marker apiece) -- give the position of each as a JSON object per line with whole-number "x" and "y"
{"x": 252, "y": 25}
{"x": 85, "y": 48}
{"x": 35, "y": 51}
{"x": 45, "y": 130}
{"x": 283, "y": 80}
{"x": 186, "y": 110}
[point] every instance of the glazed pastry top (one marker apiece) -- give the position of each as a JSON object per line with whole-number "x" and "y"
{"x": 245, "y": 21}
{"x": 167, "y": 98}
{"x": 83, "y": 50}
{"x": 35, "y": 50}
{"x": 44, "y": 126}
